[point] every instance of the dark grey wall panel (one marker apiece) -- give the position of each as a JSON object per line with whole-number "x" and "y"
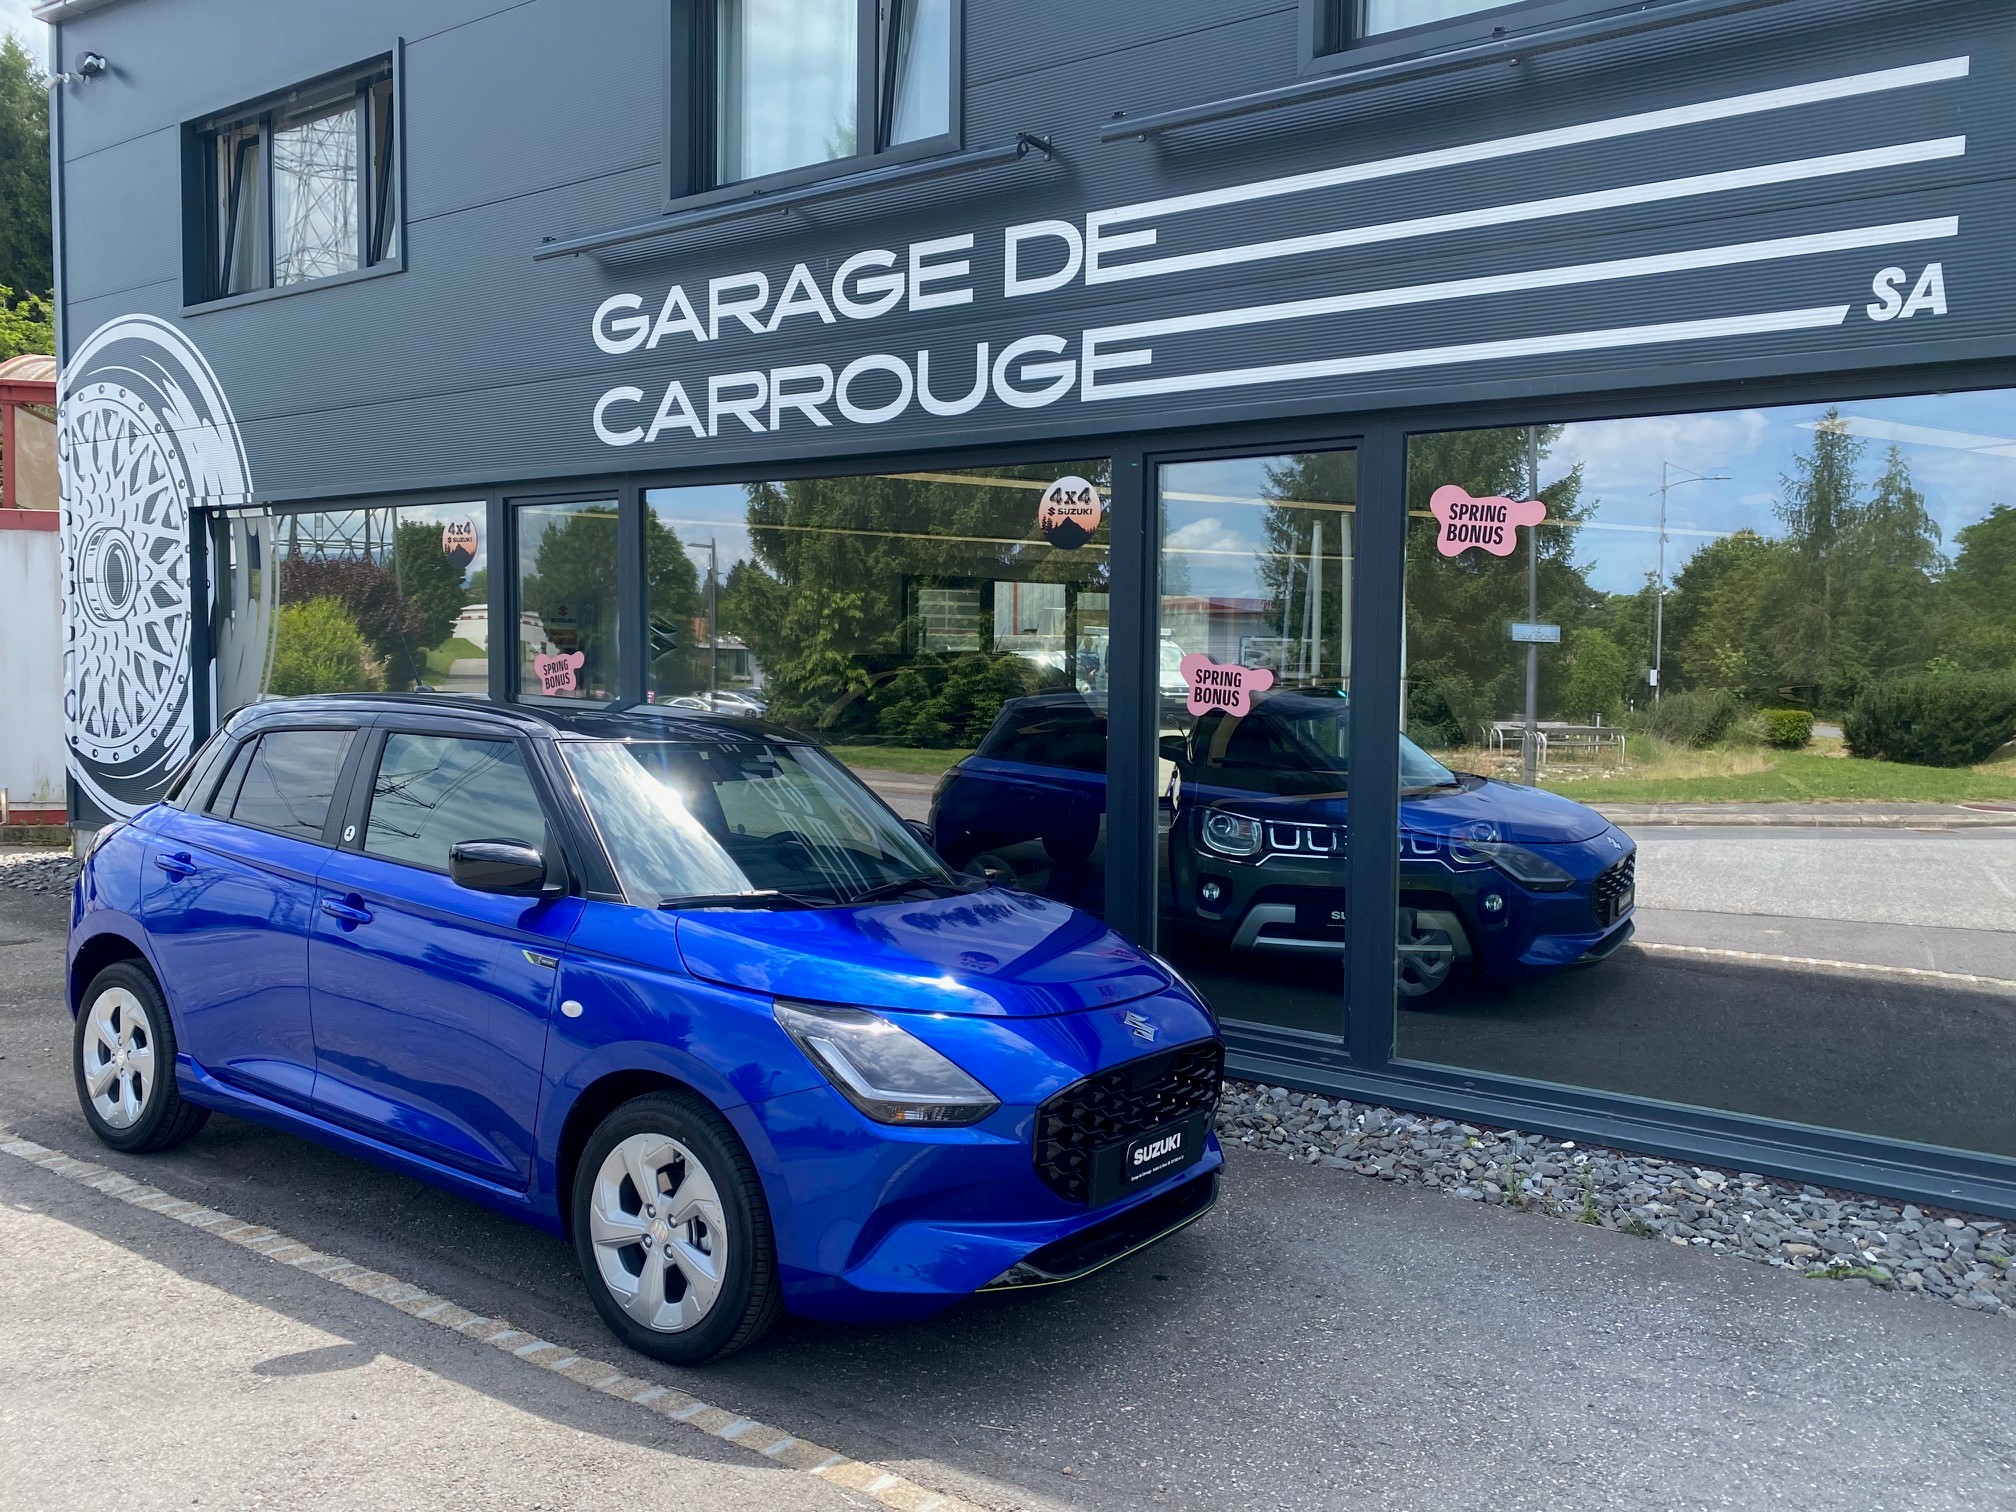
{"x": 130, "y": 198}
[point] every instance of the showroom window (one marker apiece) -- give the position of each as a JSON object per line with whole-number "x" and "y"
{"x": 797, "y": 86}
{"x": 1374, "y": 30}
{"x": 1711, "y": 743}
{"x": 294, "y": 189}
{"x": 567, "y": 635}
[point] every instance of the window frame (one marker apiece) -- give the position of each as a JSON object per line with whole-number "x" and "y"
{"x": 332, "y": 818}
{"x": 205, "y": 238}
{"x": 1331, "y": 40}
{"x": 551, "y": 843}
{"x": 692, "y": 61}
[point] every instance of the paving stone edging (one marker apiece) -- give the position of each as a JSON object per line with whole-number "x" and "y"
{"x": 1802, "y": 1229}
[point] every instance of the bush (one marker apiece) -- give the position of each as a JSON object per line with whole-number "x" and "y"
{"x": 1700, "y": 717}
{"x": 1788, "y": 729}
{"x": 319, "y": 649}
{"x": 1945, "y": 719}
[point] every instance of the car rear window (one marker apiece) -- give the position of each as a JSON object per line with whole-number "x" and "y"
{"x": 285, "y": 781}
{"x": 1070, "y": 737}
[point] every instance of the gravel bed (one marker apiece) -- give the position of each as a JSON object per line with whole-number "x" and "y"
{"x": 1803, "y": 1229}
{"x": 38, "y": 871}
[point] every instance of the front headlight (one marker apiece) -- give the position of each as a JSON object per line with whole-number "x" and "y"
{"x": 1231, "y": 834}
{"x": 1523, "y": 866}
{"x": 888, "y": 1073}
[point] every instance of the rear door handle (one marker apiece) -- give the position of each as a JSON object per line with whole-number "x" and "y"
{"x": 179, "y": 865}
{"x": 349, "y": 913}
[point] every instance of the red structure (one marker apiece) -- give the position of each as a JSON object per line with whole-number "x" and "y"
{"x": 28, "y": 488}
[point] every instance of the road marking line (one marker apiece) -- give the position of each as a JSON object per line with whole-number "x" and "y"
{"x": 1995, "y": 876}
{"x": 1921, "y": 973}
{"x": 760, "y": 1440}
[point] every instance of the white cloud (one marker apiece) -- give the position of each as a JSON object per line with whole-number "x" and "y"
{"x": 1209, "y": 535}
{"x": 16, "y": 16}
{"x": 1621, "y": 457}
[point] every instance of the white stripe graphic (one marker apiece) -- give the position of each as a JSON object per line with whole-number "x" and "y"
{"x": 1449, "y": 356}
{"x": 1541, "y": 278}
{"x": 1530, "y": 210}
{"x": 1847, "y": 87}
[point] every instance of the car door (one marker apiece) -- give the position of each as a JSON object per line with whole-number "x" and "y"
{"x": 432, "y": 1000}
{"x": 229, "y": 903}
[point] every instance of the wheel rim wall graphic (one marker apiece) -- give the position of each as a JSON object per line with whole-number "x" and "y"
{"x": 146, "y": 437}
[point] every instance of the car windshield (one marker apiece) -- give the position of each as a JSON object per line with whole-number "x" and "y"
{"x": 1296, "y": 741}
{"x": 745, "y": 821}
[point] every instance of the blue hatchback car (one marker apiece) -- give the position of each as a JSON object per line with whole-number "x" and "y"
{"x": 1496, "y": 880}
{"x": 675, "y": 985}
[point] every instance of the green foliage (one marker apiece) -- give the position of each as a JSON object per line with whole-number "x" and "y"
{"x": 319, "y": 649}
{"x": 937, "y": 701}
{"x": 1788, "y": 729}
{"x": 571, "y": 585}
{"x": 1699, "y": 717}
{"x": 404, "y": 606}
{"x": 1598, "y": 673}
{"x": 1943, "y": 719}
{"x": 25, "y": 246}
{"x": 27, "y": 324}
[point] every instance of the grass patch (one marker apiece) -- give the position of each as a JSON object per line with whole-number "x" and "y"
{"x": 454, "y": 649}
{"x": 1824, "y": 774}
{"x": 916, "y": 760}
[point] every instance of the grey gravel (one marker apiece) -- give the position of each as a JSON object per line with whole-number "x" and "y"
{"x": 1802, "y": 1229}
{"x": 38, "y": 871}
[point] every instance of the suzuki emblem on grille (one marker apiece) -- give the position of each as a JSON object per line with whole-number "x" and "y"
{"x": 1141, "y": 1027}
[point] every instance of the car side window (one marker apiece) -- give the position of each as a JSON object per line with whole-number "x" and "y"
{"x": 220, "y": 803}
{"x": 434, "y": 791}
{"x": 1072, "y": 738}
{"x": 289, "y": 781}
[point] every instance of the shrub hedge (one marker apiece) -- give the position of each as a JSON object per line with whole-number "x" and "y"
{"x": 1788, "y": 729}
{"x": 1700, "y": 717}
{"x": 1944, "y": 719}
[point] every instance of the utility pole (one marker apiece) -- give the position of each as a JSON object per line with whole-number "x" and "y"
{"x": 1667, "y": 483}
{"x": 713, "y": 628}
{"x": 1530, "y": 746}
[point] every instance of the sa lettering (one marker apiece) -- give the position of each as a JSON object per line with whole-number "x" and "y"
{"x": 1929, "y": 293}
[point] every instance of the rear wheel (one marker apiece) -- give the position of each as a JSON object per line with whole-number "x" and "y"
{"x": 1427, "y": 959}
{"x": 123, "y": 1054}
{"x": 673, "y": 1233}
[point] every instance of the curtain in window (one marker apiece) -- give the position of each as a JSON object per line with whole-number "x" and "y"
{"x": 786, "y": 85}
{"x": 920, "y": 74}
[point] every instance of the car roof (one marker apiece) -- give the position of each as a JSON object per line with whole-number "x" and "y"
{"x": 626, "y": 722}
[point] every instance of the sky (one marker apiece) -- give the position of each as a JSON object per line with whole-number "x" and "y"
{"x": 14, "y": 16}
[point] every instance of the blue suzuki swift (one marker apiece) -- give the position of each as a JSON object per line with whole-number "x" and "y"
{"x": 675, "y": 985}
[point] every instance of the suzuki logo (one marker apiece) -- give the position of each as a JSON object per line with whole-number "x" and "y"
{"x": 1141, "y": 1027}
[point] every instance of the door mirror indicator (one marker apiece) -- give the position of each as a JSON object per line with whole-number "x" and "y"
{"x": 509, "y": 868}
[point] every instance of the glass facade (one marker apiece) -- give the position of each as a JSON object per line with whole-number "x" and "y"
{"x": 568, "y": 633}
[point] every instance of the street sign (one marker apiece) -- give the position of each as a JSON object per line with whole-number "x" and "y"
{"x": 1539, "y": 635}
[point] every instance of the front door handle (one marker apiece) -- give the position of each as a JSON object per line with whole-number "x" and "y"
{"x": 178, "y": 865}
{"x": 348, "y": 913}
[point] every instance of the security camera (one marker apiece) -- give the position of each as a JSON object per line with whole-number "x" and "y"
{"x": 91, "y": 65}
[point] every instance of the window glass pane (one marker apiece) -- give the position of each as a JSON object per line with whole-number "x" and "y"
{"x": 920, "y": 86}
{"x": 567, "y": 622}
{"x": 241, "y": 211}
{"x": 1784, "y": 863}
{"x": 384, "y": 181}
{"x": 1254, "y": 765}
{"x": 234, "y": 779}
{"x": 434, "y": 791}
{"x": 290, "y": 780}
{"x": 786, "y": 84}
{"x": 1396, "y": 15}
{"x": 920, "y": 624}
{"x": 315, "y": 194}
{"x": 350, "y": 601}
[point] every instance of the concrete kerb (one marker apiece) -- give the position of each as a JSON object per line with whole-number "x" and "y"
{"x": 1803, "y": 816}
{"x": 761, "y": 1439}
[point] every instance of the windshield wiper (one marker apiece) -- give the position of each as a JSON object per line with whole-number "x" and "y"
{"x": 894, "y": 889}
{"x": 1433, "y": 787}
{"x": 763, "y": 897}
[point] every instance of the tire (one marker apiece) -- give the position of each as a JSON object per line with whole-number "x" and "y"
{"x": 122, "y": 1055}
{"x": 654, "y": 1147}
{"x": 1429, "y": 962}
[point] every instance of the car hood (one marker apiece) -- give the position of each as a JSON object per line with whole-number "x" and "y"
{"x": 1523, "y": 815}
{"x": 1000, "y": 953}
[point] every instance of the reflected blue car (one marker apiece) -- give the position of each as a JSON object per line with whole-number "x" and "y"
{"x": 1497, "y": 881}
{"x": 673, "y": 984}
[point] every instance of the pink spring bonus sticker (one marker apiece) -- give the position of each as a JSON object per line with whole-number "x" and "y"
{"x": 1492, "y": 523}
{"x": 1230, "y": 688}
{"x": 556, "y": 673}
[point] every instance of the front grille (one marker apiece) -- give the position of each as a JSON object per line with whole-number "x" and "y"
{"x": 1305, "y": 839}
{"x": 1612, "y": 886}
{"x": 1114, "y": 1105}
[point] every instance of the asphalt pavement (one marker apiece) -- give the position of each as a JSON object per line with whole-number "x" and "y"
{"x": 1322, "y": 1340}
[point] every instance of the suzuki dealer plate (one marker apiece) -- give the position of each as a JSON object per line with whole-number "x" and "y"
{"x": 1148, "y": 1158}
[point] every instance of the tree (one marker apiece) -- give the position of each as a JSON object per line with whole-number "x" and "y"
{"x": 672, "y": 586}
{"x": 1598, "y": 673}
{"x": 1890, "y": 564}
{"x": 319, "y": 649}
{"x": 26, "y": 258}
{"x": 1723, "y": 616}
{"x": 1818, "y": 507}
{"x": 27, "y": 324}
{"x": 1977, "y": 598}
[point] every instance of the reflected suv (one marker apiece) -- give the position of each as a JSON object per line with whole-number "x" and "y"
{"x": 1496, "y": 879}
{"x": 673, "y": 984}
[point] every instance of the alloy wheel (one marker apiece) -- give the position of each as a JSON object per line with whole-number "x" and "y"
{"x": 119, "y": 1061}
{"x": 1427, "y": 956}
{"x": 659, "y": 1231}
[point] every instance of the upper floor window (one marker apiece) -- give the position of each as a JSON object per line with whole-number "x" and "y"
{"x": 296, "y": 188}
{"x": 1375, "y": 18}
{"x": 788, "y": 86}
{"x": 1379, "y": 29}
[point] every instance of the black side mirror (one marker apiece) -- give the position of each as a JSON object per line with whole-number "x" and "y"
{"x": 509, "y": 868}
{"x": 920, "y": 829}
{"x": 1174, "y": 748}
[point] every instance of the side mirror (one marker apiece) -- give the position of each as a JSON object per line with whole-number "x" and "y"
{"x": 920, "y": 829}
{"x": 1174, "y": 748}
{"x": 509, "y": 868}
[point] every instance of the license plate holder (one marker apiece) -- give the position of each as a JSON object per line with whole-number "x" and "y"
{"x": 1135, "y": 1164}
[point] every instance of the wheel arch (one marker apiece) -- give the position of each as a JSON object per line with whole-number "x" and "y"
{"x": 92, "y": 955}
{"x": 596, "y": 1102}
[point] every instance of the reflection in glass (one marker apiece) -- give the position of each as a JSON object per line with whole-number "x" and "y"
{"x": 785, "y": 85}
{"x": 315, "y": 195}
{"x": 567, "y": 622}
{"x": 1834, "y": 638}
{"x": 1254, "y": 657}
{"x": 923, "y": 627}
{"x": 241, "y": 210}
{"x": 920, "y": 87}
{"x": 1379, "y": 16}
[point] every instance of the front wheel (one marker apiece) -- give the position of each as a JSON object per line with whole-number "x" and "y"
{"x": 123, "y": 1055}
{"x": 1427, "y": 958}
{"x": 673, "y": 1233}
